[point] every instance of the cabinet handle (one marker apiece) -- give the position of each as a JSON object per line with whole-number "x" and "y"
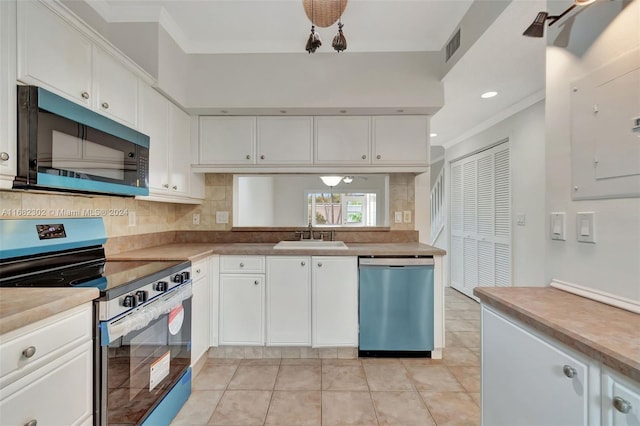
{"x": 33, "y": 422}
{"x": 248, "y": 157}
{"x": 262, "y": 157}
{"x": 256, "y": 282}
{"x": 378, "y": 156}
{"x": 175, "y": 187}
{"x": 241, "y": 265}
{"x": 165, "y": 185}
{"x": 319, "y": 264}
{"x": 622, "y": 405}
{"x": 29, "y": 352}
{"x": 364, "y": 157}
{"x": 569, "y": 371}
{"x": 105, "y": 105}
{"x": 302, "y": 263}
{"x": 198, "y": 271}
{"x": 85, "y": 95}
{"x": 4, "y": 156}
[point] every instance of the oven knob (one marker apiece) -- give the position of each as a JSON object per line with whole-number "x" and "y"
{"x": 161, "y": 286}
{"x": 185, "y": 276}
{"x": 178, "y": 278}
{"x": 129, "y": 301}
{"x": 141, "y": 295}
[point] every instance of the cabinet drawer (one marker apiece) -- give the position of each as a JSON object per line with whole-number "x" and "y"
{"x": 48, "y": 337}
{"x": 200, "y": 269}
{"x": 59, "y": 393}
{"x": 242, "y": 264}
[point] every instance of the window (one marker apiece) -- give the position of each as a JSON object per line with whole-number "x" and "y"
{"x": 341, "y": 209}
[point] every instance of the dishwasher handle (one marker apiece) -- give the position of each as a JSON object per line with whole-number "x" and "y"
{"x": 396, "y": 261}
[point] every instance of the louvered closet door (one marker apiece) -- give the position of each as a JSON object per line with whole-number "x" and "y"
{"x": 481, "y": 220}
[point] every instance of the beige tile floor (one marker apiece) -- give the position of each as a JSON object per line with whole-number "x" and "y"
{"x": 300, "y": 392}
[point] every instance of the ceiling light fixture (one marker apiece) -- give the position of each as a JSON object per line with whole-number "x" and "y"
{"x": 536, "y": 29}
{"x": 347, "y": 179}
{"x": 331, "y": 181}
{"x": 487, "y": 95}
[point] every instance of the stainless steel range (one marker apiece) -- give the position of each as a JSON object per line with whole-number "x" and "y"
{"x": 142, "y": 327}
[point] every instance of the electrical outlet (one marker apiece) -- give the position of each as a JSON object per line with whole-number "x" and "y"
{"x": 132, "y": 218}
{"x": 196, "y": 219}
{"x": 398, "y": 217}
{"x": 222, "y": 217}
{"x": 521, "y": 219}
{"x": 407, "y": 216}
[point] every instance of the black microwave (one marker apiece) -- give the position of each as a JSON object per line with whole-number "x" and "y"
{"x": 64, "y": 146}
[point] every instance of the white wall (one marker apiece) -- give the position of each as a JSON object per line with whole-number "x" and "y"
{"x": 587, "y": 41}
{"x": 255, "y": 205}
{"x": 526, "y": 132}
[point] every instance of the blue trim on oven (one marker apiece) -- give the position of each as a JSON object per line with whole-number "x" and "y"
{"x": 171, "y": 404}
{"x": 65, "y": 108}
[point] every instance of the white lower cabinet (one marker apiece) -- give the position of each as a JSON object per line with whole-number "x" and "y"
{"x": 334, "y": 301}
{"x": 47, "y": 374}
{"x": 620, "y": 400}
{"x": 242, "y": 300}
{"x": 201, "y": 311}
{"x": 288, "y": 303}
{"x": 528, "y": 380}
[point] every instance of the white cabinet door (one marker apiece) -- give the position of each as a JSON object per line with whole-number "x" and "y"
{"x": 227, "y": 140}
{"x": 180, "y": 157}
{"x": 335, "y": 301}
{"x": 154, "y": 116}
{"x": 528, "y": 381}
{"x": 53, "y": 54}
{"x": 7, "y": 94}
{"x": 285, "y": 140}
{"x": 59, "y": 393}
{"x": 115, "y": 88}
{"x": 620, "y": 400}
{"x": 400, "y": 140}
{"x": 201, "y": 312}
{"x": 288, "y": 300}
{"x": 342, "y": 140}
{"x": 242, "y": 309}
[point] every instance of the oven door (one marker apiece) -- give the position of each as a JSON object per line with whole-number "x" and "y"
{"x": 142, "y": 355}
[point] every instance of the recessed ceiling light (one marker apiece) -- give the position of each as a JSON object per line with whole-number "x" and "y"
{"x": 399, "y": 110}
{"x": 343, "y": 111}
{"x": 487, "y": 95}
{"x": 283, "y": 111}
{"x": 224, "y": 111}
{"x": 433, "y": 135}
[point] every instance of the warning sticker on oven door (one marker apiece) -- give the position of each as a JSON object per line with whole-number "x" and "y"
{"x": 159, "y": 370}
{"x": 176, "y": 317}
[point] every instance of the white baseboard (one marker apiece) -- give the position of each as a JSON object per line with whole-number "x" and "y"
{"x": 598, "y": 296}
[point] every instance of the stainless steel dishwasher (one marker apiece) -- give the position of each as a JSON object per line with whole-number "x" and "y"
{"x": 396, "y": 306}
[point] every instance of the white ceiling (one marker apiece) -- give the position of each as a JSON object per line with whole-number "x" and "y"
{"x": 501, "y": 59}
{"x": 281, "y": 26}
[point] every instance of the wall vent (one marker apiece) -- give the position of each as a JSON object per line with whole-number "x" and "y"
{"x": 453, "y": 45}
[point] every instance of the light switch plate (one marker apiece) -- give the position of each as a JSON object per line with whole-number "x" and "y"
{"x": 586, "y": 227}
{"x": 222, "y": 217}
{"x": 397, "y": 217}
{"x": 558, "y": 226}
{"x": 132, "y": 218}
{"x": 521, "y": 219}
{"x": 407, "y": 216}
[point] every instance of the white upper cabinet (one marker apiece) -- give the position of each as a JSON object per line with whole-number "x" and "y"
{"x": 342, "y": 140}
{"x": 154, "y": 116}
{"x": 285, "y": 140}
{"x": 179, "y": 156}
{"x": 53, "y": 53}
{"x": 7, "y": 94}
{"x": 227, "y": 140}
{"x": 115, "y": 88}
{"x": 400, "y": 139}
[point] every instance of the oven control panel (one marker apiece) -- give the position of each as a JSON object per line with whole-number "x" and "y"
{"x": 143, "y": 294}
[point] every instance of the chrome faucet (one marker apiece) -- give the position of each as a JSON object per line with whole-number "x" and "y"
{"x": 310, "y": 231}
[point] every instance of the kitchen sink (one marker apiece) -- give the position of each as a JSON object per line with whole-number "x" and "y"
{"x": 311, "y": 245}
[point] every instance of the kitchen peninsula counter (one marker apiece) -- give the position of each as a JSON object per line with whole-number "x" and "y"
{"x": 23, "y": 306}
{"x": 602, "y": 332}
{"x": 196, "y": 251}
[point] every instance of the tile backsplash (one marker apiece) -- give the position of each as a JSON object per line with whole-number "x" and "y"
{"x": 154, "y": 217}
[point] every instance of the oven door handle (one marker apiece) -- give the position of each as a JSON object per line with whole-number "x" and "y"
{"x": 142, "y": 316}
